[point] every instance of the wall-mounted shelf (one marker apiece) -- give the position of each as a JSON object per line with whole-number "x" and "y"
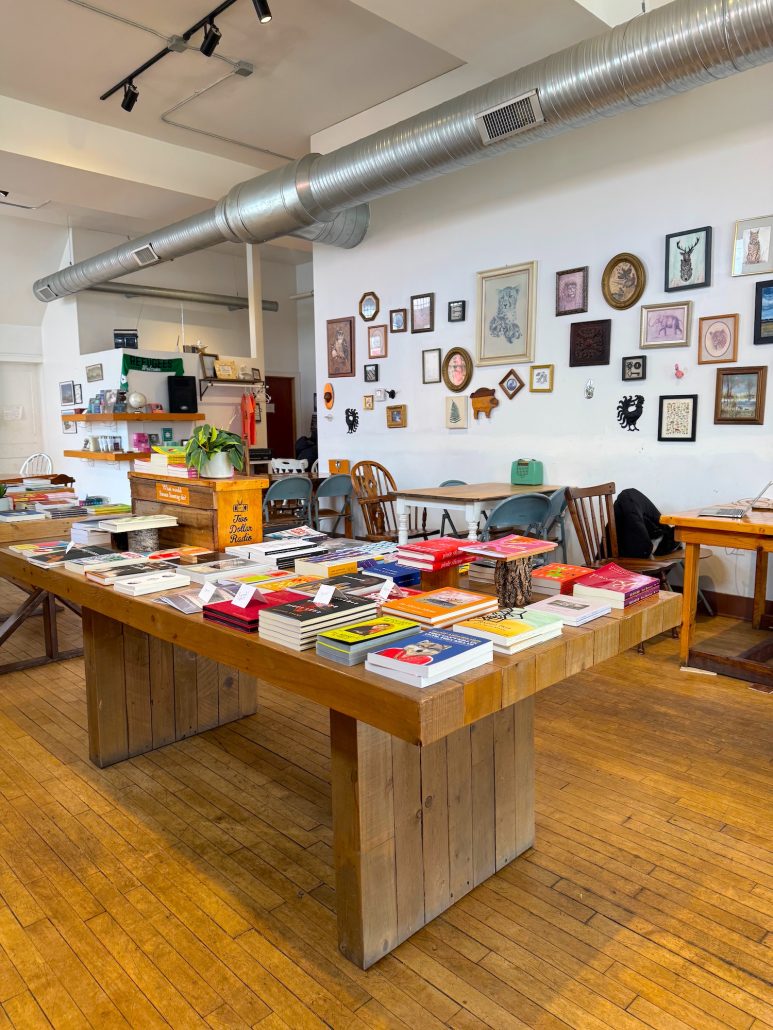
{"x": 157, "y": 416}
{"x": 206, "y": 381}
{"x": 105, "y": 455}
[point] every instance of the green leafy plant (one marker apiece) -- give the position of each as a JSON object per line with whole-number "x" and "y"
{"x": 209, "y": 440}
{"x": 3, "y": 489}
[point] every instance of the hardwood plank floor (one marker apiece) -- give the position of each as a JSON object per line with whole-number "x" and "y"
{"x": 193, "y": 886}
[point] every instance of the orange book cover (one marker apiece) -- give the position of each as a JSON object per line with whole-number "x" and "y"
{"x": 439, "y": 604}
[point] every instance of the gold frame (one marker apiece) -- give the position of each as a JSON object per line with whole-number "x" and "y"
{"x": 645, "y": 310}
{"x": 400, "y": 423}
{"x": 641, "y": 274}
{"x": 724, "y": 360}
{"x": 535, "y": 368}
{"x": 363, "y": 298}
{"x": 447, "y": 361}
{"x": 368, "y": 402}
{"x": 226, "y": 369}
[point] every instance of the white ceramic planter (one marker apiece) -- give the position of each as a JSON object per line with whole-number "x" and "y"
{"x": 5, "y": 503}
{"x": 218, "y": 467}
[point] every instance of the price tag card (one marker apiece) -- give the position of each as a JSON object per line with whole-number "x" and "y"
{"x": 324, "y": 595}
{"x": 244, "y": 595}
{"x": 386, "y": 589}
{"x": 206, "y": 593}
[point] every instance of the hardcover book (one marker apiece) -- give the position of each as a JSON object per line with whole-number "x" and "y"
{"x": 440, "y": 547}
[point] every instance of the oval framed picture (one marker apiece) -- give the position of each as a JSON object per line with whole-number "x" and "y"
{"x": 457, "y": 369}
{"x": 623, "y": 281}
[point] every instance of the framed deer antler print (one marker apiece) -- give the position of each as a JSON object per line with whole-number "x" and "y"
{"x": 688, "y": 259}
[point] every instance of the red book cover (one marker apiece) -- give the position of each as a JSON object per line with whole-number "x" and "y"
{"x": 257, "y": 604}
{"x": 556, "y": 573}
{"x": 613, "y": 577}
{"x": 440, "y": 547}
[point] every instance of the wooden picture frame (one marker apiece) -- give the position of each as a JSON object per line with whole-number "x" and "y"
{"x": 430, "y": 366}
{"x": 634, "y": 368}
{"x": 511, "y": 384}
{"x": 717, "y": 339}
{"x": 398, "y": 320}
{"x": 369, "y": 306}
{"x": 396, "y": 416}
{"x": 368, "y": 402}
{"x": 377, "y": 341}
{"x": 688, "y": 260}
{"x": 763, "y": 313}
{"x": 457, "y": 368}
{"x": 572, "y": 291}
{"x": 507, "y": 315}
{"x": 677, "y": 417}
{"x": 423, "y": 313}
{"x": 589, "y": 342}
{"x": 67, "y": 394}
{"x": 739, "y": 398}
{"x": 340, "y": 347}
{"x": 541, "y": 378}
{"x": 207, "y": 363}
{"x": 666, "y": 325}
{"x": 623, "y": 281}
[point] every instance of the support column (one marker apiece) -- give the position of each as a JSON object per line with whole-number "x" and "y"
{"x": 255, "y": 314}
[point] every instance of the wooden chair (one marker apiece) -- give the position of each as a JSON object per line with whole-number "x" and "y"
{"x": 375, "y": 491}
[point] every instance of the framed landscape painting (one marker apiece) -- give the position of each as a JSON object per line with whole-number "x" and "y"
{"x": 740, "y": 396}
{"x": 506, "y": 314}
{"x": 688, "y": 259}
{"x": 763, "y": 313}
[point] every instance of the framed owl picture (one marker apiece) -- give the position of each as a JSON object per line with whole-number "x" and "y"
{"x": 506, "y": 315}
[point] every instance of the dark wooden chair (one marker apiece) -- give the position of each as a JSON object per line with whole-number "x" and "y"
{"x": 375, "y": 491}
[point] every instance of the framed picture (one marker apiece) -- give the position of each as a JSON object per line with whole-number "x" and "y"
{"x": 340, "y": 347}
{"x": 94, "y": 374}
{"x": 369, "y": 306}
{"x": 541, "y": 379}
{"x": 688, "y": 259}
{"x": 430, "y": 366}
{"x": 78, "y": 393}
{"x": 634, "y": 367}
{"x": 396, "y": 416}
{"x": 68, "y": 426}
{"x": 511, "y": 384}
{"x": 226, "y": 369}
{"x": 507, "y": 314}
{"x": 717, "y": 339}
{"x": 377, "y": 341}
{"x": 677, "y": 417}
{"x": 370, "y": 373}
{"x": 457, "y": 310}
{"x": 380, "y": 395}
{"x": 763, "y": 313}
{"x": 623, "y": 281}
{"x": 398, "y": 320}
{"x": 753, "y": 246}
{"x": 368, "y": 402}
{"x": 67, "y": 394}
{"x": 423, "y": 313}
{"x": 740, "y": 396}
{"x": 456, "y": 412}
{"x": 589, "y": 342}
{"x": 457, "y": 369}
{"x": 572, "y": 291}
{"x": 665, "y": 325}
{"x": 207, "y": 362}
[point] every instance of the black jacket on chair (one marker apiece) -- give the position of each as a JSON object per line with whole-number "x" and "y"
{"x": 637, "y": 521}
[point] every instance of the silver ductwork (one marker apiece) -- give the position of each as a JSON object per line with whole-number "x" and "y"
{"x": 670, "y": 50}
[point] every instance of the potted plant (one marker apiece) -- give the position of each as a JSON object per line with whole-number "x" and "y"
{"x": 6, "y": 503}
{"x": 215, "y": 453}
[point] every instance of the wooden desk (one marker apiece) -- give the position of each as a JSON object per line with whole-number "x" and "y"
{"x": 470, "y": 498}
{"x": 754, "y": 532}
{"x": 433, "y": 789}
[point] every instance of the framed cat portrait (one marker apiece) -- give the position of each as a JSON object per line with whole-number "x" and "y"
{"x": 506, "y": 315}
{"x": 753, "y": 246}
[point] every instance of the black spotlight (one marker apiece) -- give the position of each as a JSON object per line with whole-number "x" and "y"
{"x": 130, "y": 96}
{"x": 211, "y": 39}
{"x": 262, "y": 10}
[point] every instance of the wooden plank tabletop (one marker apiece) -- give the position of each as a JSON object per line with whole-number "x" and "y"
{"x": 754, "y": 523}
{"x": 42, "y": 529}
{"x": 417, "y": 715}
{"x": 472, "y": 492}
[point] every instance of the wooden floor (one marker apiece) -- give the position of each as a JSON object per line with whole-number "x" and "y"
{"x": 193, "y": 886}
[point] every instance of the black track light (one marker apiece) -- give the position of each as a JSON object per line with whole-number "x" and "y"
{"x": 262, "y": 10}
{"x": 130, "y": 96}
{"x": 211, "y": 39}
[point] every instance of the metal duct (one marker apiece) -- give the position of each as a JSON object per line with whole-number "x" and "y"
{"x": 670, "y": 50}
{"x": 223, "y": 300}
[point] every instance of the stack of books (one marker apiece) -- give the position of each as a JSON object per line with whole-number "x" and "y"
{"x": 441, "y": 607}
{"x": 87, "y": 532}
{"x": 354, "y": 583}
{"x": 430, "y": 656}
{"x": 557, "y": 578}
{"x": 225, "y": 568}
{"x": 150, "y": 582}
{"x": 58, "y": 556}
{"x": 246, "y": 619}
{"x": 133, "y": 523}
{"x": 165, "y": 463}
{"x": 616, "y": 585}
{"x": 16, "y": 515}
{"x": 334, "y": 563}
{"x": 298, "y": 533}
{"x": 280, "y": 554}
{"x": 401, "y": 575}
{"x": 512, "y": 629}
{"x": 482, "y": 570}
{"x": 509, "y": 547}
{"x": 296, "y": 625}
{"x": 185, "y": 554}
{"x": 108, "y": 509}
{"x": 350, "y": 645}
{"x": 111, "y": 573}
{"x": 58, "y": 510}
{"x": 103, "y": 559}
{"x": 431, "y": 555}
{"x": 573, "y": 611}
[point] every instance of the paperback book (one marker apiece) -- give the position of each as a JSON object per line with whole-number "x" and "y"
{"x": 509, "y": 547}
{"x": 108, "y": 576}
{"x": 573, "y": 611}
{"x": 350, "y": 644}
{"x": 247, "y": 618}
{"x": 430, "y": 656}
{"x": 134, "y": 586}
{"x": 616, "y": 585}
{"x": 226, "y": 568}
{"x": 557, "y": 578}
{"x": 441, "y": 607}
{"x": 513, "y": 629}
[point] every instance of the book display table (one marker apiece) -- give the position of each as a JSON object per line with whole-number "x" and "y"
{"x": 432, "y": 789}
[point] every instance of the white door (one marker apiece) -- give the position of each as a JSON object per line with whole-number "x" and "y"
{"x": 20, "y": 423}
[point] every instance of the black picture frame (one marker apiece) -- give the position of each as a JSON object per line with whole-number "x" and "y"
{"x": 589, "y": 343}
{"x": 636, "y": 363}
{"x": 370, "y": 373}
{"x": 669, "y": 279}
{"x": 457, "y": 310}
{"x": 763, "y": 305}
{"x": 398, "y": 320}
{"x": 422, "y": 300}
{"x": 694, "y": 417}
{"x": 67, "y": 394}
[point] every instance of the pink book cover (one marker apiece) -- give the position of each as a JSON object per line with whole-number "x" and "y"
{"x": 613, "y": 577}
{"x": 510, "y": 547}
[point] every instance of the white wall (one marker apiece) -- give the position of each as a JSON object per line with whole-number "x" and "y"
{"x": 618, "y": 185}
{"x": 304, "y": 309}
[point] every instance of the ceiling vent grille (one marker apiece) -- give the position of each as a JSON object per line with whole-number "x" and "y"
{"x": 145, "y": 256}
{"x": 46, "y": 293}
{"x": 505, "y": 120}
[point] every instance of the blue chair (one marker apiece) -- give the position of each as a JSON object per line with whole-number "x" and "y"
{"x": 287, "y": 502}
{"x": 555, "y": 520}
{"x": 527, "y": 513}
{"x": 335, "y": 486}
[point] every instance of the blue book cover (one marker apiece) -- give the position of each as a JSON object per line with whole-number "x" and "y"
{"x": 431, "y": 649}
{"x": 401, "y": 575}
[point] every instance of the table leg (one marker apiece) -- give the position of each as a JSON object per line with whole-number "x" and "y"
{"x": 760, "y": 587}
{"x": 403, "y": 520}
{"x": 415, "y": 829}
{"x": 472, "y": 517}
{"x": 689, "y": 600}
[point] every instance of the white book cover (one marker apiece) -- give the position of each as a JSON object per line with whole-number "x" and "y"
{"x": 573, "y": 611}
{"x": 150, "y": 584}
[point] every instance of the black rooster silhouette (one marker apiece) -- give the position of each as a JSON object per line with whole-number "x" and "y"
{"x": 629, "y": 411}
{"x": 352, "y": 420}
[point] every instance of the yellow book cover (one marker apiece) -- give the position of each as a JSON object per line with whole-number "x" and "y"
{"x": 505, "y": 628}
{"x": 268, "y": 585}
{"x": 357, "y": 632}
{"x": 325, "y": 569}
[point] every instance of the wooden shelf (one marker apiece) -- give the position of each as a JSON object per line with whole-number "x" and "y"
{"x": 158, "y": 416}
{"x": 105, "y": 455}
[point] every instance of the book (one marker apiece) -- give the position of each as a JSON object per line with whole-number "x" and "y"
{"x": 351, "y": 644}
{"x": 225, "y": 568}
{"x": 430, "y": 656}
{"x": 573, "y": 611}
{"x": 441, "y": 607}
{"x": 21, "y": 516}
{"x": 296, "y": 625}
{"x": 97, "y": 562}
{"x": 509, "y": 547}
{"x": 188, "y": 602}
{"x": 37, "y": 547}
{"x": 401, "y": 575}
{"x": 132, "y": 523}
{"x": 557, "y": 578}
{"x": 135, "y": 586}
{"x": 108, "y": 576}
{"x": 395, "y": 594}
{"x": 434, "y": 550}
{"x": 617, "y": 585}
{"x": 54, "y": 557}
{"x": 512, "y": 629}
{"x": 246, "y": 619}
{"x": 434, "y": 566}
{"x": 356, "y": 583}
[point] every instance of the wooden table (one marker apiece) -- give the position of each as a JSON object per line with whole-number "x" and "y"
{"x": 753, "y": 532}
{"x": 471, "y": 498}
{"x": 433, "y": 789}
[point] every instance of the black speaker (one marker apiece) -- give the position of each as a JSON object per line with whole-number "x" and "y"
{"x": 182, "y": 394}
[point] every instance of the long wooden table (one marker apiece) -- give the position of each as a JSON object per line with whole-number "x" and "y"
{"x": 753, "y": 532}
{"x": 433, "y": 789}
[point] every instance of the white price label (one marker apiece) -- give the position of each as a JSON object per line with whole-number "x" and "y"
{"x": 324, "y": 595}
{"x": 386, "y": 589}
{"x": 244, "y": 595}
{"x": 207, "y": 592}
